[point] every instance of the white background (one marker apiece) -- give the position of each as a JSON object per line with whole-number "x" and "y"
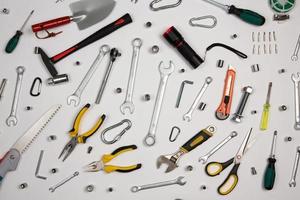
{"x": 249, "y": 186}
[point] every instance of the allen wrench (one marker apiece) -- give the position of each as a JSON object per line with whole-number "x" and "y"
{"x": 38, "y": 166}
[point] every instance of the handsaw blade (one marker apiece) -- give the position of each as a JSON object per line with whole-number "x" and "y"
{"x": 27, "y": 138}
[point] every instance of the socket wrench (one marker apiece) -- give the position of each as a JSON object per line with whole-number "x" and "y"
{"x": 292, "y": 182}
{"x": 12, "y": 119}
{"x": 165, "y": 72}
{"x": 296, "y": 79}
{"x": 128, "y": 103}
{"x": 188, "y": 115}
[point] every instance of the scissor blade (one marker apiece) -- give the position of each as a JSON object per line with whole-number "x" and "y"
{"x": 243, "y": 148}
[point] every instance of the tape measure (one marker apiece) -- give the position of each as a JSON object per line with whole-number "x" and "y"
{"x": 282, "y": 6}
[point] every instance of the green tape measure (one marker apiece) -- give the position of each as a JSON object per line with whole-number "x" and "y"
{"x": 282, "y": 6}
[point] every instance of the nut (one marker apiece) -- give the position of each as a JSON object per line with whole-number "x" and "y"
{"x": 54, "y": 170}
{"x": 189, "y": 168}
{"x": 283, "y": 108}
{"x": 28, "y": 108}
{"x": 182, "y": 70}
{"x": 288, "y": 139}
{"x": 253, "y": 171}
{"x": 253, "y": 112}
{"x": 281, "y": 71}
{"x": 119, "y": 90}
{"x": 234, "y": 36}
{"x": 90, "y": 188}
{"x": 5, "y": 11}
{"x": 147, "y": 97}
{"x": 148, "y": 24}
{"x": 220, "y": 63}
{"x": 23, "y": 185}
{"x": 203, "y": 187}
{"x": 52, "y": 138}
{"x": 77, "y": 63}
{"x": 110, "y": 189}
{"x": 155, "y": 49}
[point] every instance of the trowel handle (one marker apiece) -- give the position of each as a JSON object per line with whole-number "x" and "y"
{"x": 101, "y": 33}
{"x": 51, "y": 24}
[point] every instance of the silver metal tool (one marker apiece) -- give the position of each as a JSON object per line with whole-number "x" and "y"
{"x": 188, "y": 115}
{"x": 239, "y": 113}
{"x": 178, "y": 181}
{"x": 181, "y": 91}
{"x": 152, "y": 5}
{"x": 165, "y": 72}
{"x": 75, "y": 97}
{"x": 12, "y": 119}
{"x": 204, "y": 158}
{"x": 292, "y": 182}
{"x": 114, "y": 53}
{"x": 117, "y": 137}
{"x": 38, "y": 166}
{"x": 2, "y": 86}
{"x": 195, "y": 21}
{"x": 128, "y": 103}
{"x": 53, "y": 188}
{"x": 296, "y": 51}
{"x": 296, "y": 80}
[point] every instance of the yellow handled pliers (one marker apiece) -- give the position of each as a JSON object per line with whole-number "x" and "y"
{"x": 75, "y": 137}
{"x": 101, "y": 165}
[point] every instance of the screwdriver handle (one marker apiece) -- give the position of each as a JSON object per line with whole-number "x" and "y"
{"x": 265, "y": 117}
{"x": 270, "y": 174}
{"x": 248, "y": 16}
{"x": 13, "y": 42}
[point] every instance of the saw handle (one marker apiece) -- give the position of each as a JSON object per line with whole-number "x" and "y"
{"x": 195, "y": 141}
{"x": 9, "y": 162}
{"x": 51, "y": 24}
{"x": 124, "y": 20}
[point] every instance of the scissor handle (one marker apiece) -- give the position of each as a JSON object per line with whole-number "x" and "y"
{"x": 215, "y": 168}
{"x": 230, "y": 182}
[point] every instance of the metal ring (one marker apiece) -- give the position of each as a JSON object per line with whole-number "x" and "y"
{"x": 171, "y": 139}
{"x": 192, "y": 21}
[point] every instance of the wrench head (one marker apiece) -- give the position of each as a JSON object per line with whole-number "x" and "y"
{"x": 137, "y": 42}
{"x": 20, "y": 70}
{"x": 180, "y": 180}
{"x": 292, "y": 183}
{"x": 73, "y": 98}
{"x": 166, "y": 70}
{"x": 297, "y": 126}
{"x": 11, "y": 121}
{"x": 294, "y": 58}
{"x": 127, "y": 106}
{"x": 203, "y": 159}
{"x": 296, "y": 77}
{"x": 166, "y": 160}
{"x": 187, "y": 117}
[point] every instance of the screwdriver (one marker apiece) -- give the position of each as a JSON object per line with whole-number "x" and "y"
{"x": 270, "y": 173}
{"x": 265, "y": 115}
{"x": 13, "y": 42}
{"x": 248, "y": 16}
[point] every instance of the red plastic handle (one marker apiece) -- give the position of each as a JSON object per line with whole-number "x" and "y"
{"x": 51, "y": 24}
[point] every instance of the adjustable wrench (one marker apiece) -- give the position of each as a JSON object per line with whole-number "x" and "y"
{"x": 296, "y": 79}
{"x": 165, "y": 72}
{"x": 75, "y": 97}
{"x": 296, "y": 51}
{"x": 292, "y": 182}
{"x": 128, "y": 103}
{"x": 188, "y": 115}
{"x": 177, "y": 181}
{"x": 12, "y": 119}
{"x": 204, "y": 158}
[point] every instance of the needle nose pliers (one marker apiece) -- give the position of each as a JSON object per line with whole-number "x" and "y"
{"x": 101, "y": 165}
{"x": 74, "y": 133}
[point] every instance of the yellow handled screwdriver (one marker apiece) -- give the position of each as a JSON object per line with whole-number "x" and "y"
{"x": 266, "y": 112}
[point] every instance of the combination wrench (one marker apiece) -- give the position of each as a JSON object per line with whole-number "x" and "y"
{"x": 296, "y": 51}
{"x": 296, "y": 79}
{"x": 292, "y": 182}
{"x": 204, "y": 158}
{"x": 12, "y": 119}
{"x": 165, "y": 72}
{"x": 188, "y": 115}
{"x": 128, "y": 103}
{"x": 177, "y": 181}
{"x": 75, "y": 97}
{"x": 53, "y": 188}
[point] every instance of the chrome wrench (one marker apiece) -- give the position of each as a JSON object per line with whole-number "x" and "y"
{"x": 12, "y": 119}
{"x": 128, "y": 103}
{"x": 292, "y": 182}
{"x": 204, "y": 158}
{"x": 296, "y": 51}
{"x": 296, "y": 79}
{"x": 75, "y": 97}
{"x": 177, "y": 181}
{"x": 165, "y": 72}
{"x": 188, "y": 115}
{"x": 53, "y": 188}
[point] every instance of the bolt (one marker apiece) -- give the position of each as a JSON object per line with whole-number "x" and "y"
{"x": 90, "y": 148}
{"x": 283, "y": 108}
{"x": 189, "y": 168}
{"x": 148, "y": 24}
{"x": 23, "y": 185}
{"x": 89, "y": 188}
{"x": 118, "y": 90}
{"x": 147, "y": 97}
{"x": 155, "y": 49}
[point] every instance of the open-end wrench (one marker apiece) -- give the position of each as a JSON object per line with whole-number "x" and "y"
{"x": 128, "y": 103}
{"x": 75, "y": 97}
{"x": 296, "y": 51}
{"x": 165, "y": 72}
{"x": 204, "y": 158}
{"x": 178, "y": 181}
{"x": 12, "y": 119}
{"x": 53, "y": 188}
{"x": 188, "y": 115}
{"x": 292, "y": 182}
{"x": 296, "y": 79}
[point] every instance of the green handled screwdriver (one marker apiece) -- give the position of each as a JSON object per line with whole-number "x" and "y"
{"x": 13, "y": 42}
{"x": 266, "y": 112}
{"x": 270, "y": 173}
{"x": 248, "y": 16}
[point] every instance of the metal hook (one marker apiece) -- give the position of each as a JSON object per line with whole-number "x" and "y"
{"x": 118, "y": 137}
{"x": 214, "y": 20}
{"x": 163, "y": 7}
{"x": 171, "y": 139}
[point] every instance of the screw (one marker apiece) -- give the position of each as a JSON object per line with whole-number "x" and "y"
{"x": 283, "y": 108}
{"x": 253, "y": 171}
{"x": 23, "y": 185}
{"x": 147, "y": 97}
{"x": 288, "y": 139}
{"x": 155, "y": 49}
{"x": 90, "y": 148}
{"x": 202, "y": 106}
{"x": 89, "y": 188}
{"x": 148, "y": 24}
{"x": 189, "y": 168}
{"x": 255, "y": 68}
{"x": 118, "y": 90}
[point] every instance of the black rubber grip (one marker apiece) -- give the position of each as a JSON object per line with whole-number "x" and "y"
{"x": 195, "y": 141}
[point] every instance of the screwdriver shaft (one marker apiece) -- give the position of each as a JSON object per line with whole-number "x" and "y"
{"x": 273, "y": 148}
{"x": 27, "y": 19}
{"x": 215, "y": 3}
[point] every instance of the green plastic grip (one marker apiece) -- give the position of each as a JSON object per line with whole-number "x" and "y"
{"x": 248, "y": 16}
{"x": 270, "y": 174}
{"x": 13, "y": 42}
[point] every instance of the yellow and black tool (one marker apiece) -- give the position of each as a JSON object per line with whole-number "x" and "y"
{"x": 74, "y": 132}
{"x": 266, "y": 112}
{"x": 101, "y": 164}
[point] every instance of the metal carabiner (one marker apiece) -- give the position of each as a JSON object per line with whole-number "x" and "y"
{"x": 163, "y": 7}
{"x": 214, "y": 20}
{"x": 118, "y": 137}
{"x": 39, "y": 80}
{"x": 171, "y": 139}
